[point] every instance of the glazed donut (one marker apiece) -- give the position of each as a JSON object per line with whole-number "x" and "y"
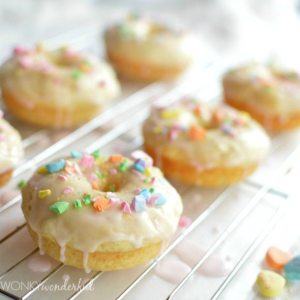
{"x": 101, "y": 213}
{"x": 59, "y": 88}
{"x": 269, "y": 94}
{"x": 146, "y": 50}
{"x": 205, "y": 145}
{"x": 11, "y": 150}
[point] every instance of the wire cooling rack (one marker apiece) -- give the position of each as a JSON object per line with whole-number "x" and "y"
{"x": 234, "y": 220}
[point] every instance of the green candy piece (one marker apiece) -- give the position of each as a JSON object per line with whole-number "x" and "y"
{"x": 87, "y": 199}
{"x": 96, "y": 154}
{"x": 270, "y": 284}
{"x": 59, "y": 207}
{"x": 151, "y": 190}
{"x": 22, "y": 183}
{"x": 124, "y": 166}
{"x": 76, "y": 74}
{"x": 77, "y": 203}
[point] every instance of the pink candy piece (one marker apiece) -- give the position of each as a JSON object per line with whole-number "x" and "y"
{"x": 20, "y": 50}
{"x": 26, "y": 62}
{"x": 184, "y": 222}
{"x": 125, "y": 207}
{"x": 68, "y": 190}
{"x": 87, "y": 161}
{"x": 172, "y": 270}
{"x": 62, "y": 177}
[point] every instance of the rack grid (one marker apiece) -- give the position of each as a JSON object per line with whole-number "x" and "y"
{"x": 220, "y": 218}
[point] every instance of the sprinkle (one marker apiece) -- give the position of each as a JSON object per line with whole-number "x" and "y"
{"x": 174, "y": 132}
{"x": 123, "y": 166}
{"x": 68, "y": 190}
{"x": 87, "y": 199}
{"x": 138, "y": 154}
{"x": 112, "y": 188}
{"x": 87, "y": 161}
{"x": 25, "y": 62}
{"x": 92, "y": 177}
{"x": 148, "y": 172}
{"x": 62, "y": 177}
{"x": 151, "y": 190}
{"x": 59, "y": 207}
{"x": 42, "y": 170}
{"x": 56, "y": 166}
{"x": 227, "y": 129}
{"x": 101, "y": 203}
{"x": 125, "y": 207}
{"x": 139, "y": 165}
{"x": 138, "y": 203}
{"x": 197, "y": 133}
{"x": 170, "y": 114}
{"x": 116, "y": 158}
{"x": 145, "y": 194}
{"x": 44, "y": 193}
{"x": 95, "y": 185}
{"x": 184, "y": 222}
{"x": 76, "y": 74}
{"x": 157, "y": 200}
{"x": 77, "y": 203}
{"x": 218, "y": 116}
{"x": 76, "y": 154}
{"x": 20, "y": 50}
{"x": 21, "y": 184}
{"x": 96, "y": 154}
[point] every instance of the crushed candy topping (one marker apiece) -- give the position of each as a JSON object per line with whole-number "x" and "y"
{"x": 59, "y": 207}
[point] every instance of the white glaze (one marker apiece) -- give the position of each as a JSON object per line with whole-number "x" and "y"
{"x": 48, "y": 79}
{"x": 86, "y": 229}
{"x": 11, "y": 149}
{"x": 268, "y": 88}
{"x": 39, "y": 264}
{"x": 249, "y": 145}
{"x": 150, "y": 42}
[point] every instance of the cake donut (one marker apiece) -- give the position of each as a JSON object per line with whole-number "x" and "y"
{"x": 101, "y": 213}
{"x": 269, "y": 93}
{"x": 147, "y": 50}
{"x": 11, "y": 150}
{"x": 205, "y": 145}
{"x": 56, "y": 88}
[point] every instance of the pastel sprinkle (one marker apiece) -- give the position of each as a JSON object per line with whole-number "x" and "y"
{"x": 44, "y": 193}
{"x": 42, "y": 170}
{"x": 197, "y": 133}
{"x": 101, "y": 203}
{"x": 227, "y": 129}
{"x": 56, "y": 166}
{"x": 158, "y": 200}
{"x": 87, "y": 161}
{"x": 139, "y": 165}
{"x": 116, "y": 158}
{"x": 170, "y": 114}
{"x": 124, "y": 166}
{"x": 87, "y": 199}
{"x": 96, "y": 154}
{"x": 76, "y": 74}
{"x": 20, "y": 50}
{"x": 145, "y": 194}
{"x": 125, "y": 207}
{"x": 184, "y": 222}
{"x": 21, "y": 184}
{"x": 62, "y": 177}
{"x": 68, "y": 190}
{"x": 76, "y": 154}
{"x": 59, "y": 207}
{"x": 152, "y": 190}
{"x": 270, "y": 284}
{"x": 277, "y": 258}
{"x": 138, "y": 154}
{"x": 77, "y": 203}
{"x": 138, "y": 203}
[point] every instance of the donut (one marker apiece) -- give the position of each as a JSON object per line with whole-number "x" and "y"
{"x": 146, "y": 50}
{"x": 56, "y": 88}
{"x": 101, "y": 212}
{"x": 11, "y": 150}
{"x": 204, "y": 144}
{"x": 268, "y": 93}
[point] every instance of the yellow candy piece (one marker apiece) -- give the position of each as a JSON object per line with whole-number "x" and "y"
{"x": 44, "y": 193}
{"x": 42, "y": 170}
{"x": 170, "y": 114}
{"x": 270, "y": 284}
{"x": 148, "y": 172}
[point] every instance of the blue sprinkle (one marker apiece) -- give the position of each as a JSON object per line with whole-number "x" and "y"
{"x": 159, "y": 200}
{"x": 76, "y": 154}
{"x": 227, "y": 129}
{"x": 139, "y": 165}
{"x": 292, "y": 269}
{"x": 56, "y": 166}
{"x": 139, "y": 203}
{"x": 145, "y": 193}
